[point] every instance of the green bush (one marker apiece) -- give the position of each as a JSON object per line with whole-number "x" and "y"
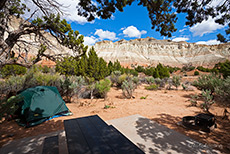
{"x": 136, "y": 81}
{"x": 103, "y": 87}
{"x": 208, "y": 82}
{"x": 152, "y": 87}
{"x": 144, "y": 97}
{"x": 9, "y": 106}
{"x": 223, "y": 90}
{"x": 140, "y": 69}
{"x": 9, "y": 70}
{"x": 187, "y": 67}
{"x": 176, "y": 81}
{"x": 202, "y": 69}
{"x": 224, "y": 68}
{"x": 121, "y": 79}
{"x": 208, "y": 100}
{"x": 163, "y": 71}
{"x": 158, "y": 81}
{"x": 128, "y": 88}
{"x": 70, "y": 86}
{"x": 114, "y": 77}
{"x": 196, "y": 73}
{"x": 12, "y": 85}
{"x": 150, "y": 80}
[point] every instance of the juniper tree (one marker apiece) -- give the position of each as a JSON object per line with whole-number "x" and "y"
{"x": 49, "y": 21}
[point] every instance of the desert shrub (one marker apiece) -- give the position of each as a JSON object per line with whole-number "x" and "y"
{"x": 128, "y": 88}
{"x": 144, "y": 97}
{"x": 193, "y": 100}
{"x": 196, "y": 73}
{"x": 170, "y": 84}
{"x": 163, "y": 71}
{"x": 103, "y": 87}
{"x": 114, "y": 77}
{"x": 90, "y": 86}
{"x": 223, "y": 90}
{"x": 9, "y": 70}
{"x": 157, "y": 81}
{"x": 152, "y": 87}
{"x": 140, "y": 69}
{"x": 12, "y": 85}
{"x": 121, "y": 79}
{"x": 149, "y": 71}
{"x": 41, "y": 79}
{"x": 70, "y": 86}
{"x": 77, "y": 84}
{"x": 9, "y": 106}
{"x": 208, "y": 82}
{"x": 150, "y": 80}
{"x": 224, "y": 68}
{"x": 45, "y": 69}
{"x": 136, "y": 81}
{"x": 187, "y": 67}
{"x": 208, "y": 100}
{"x": 66, "y": 89}
{"x": 176, "y": 81}
{"x": 202, "y": 69}
{"x": 173, "y": 69}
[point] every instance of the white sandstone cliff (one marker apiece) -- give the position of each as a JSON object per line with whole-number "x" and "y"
{"x": 149, "y": 51}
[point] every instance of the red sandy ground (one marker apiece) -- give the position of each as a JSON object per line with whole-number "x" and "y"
{"x": 163, "y": 106}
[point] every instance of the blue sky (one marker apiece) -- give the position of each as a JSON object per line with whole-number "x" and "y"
{"x": 134, "y": 23}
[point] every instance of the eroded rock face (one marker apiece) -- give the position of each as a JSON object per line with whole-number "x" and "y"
{"x": 150, "y": 51}
{"x": 29, "y": 44}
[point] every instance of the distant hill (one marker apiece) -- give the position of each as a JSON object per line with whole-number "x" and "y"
{"x": 146, "y": 51}
{"x": 149, "y": 51}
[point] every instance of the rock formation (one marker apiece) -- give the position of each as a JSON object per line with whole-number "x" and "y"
{"x": 30, "y": 44}
{"x": 149, "y": 51}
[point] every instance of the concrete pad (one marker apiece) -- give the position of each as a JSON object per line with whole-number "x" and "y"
{"x": 34, "y": 145}
{"x": 154, "y": 138}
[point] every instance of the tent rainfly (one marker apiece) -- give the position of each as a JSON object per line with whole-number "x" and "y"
{"x": 39, "y": 104}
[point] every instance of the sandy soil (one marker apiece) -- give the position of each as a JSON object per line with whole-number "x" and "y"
{"x": 164, "y": 106}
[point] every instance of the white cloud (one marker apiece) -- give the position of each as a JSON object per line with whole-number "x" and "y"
{"x": 89, "y": 40}
{"x": 69, "y": 9}
{"x": 209, "y": 42}
{"x": 205, "y": 27}
{"x": 105, "y": 34}
{"x": 71, "y": 12}
{"x": 132, "y": 31}
{"x": 182, "y": 30}
{"x": 178, "y": 39}
{"x": 113, "y": 17}
{"x": 215, "y": 3}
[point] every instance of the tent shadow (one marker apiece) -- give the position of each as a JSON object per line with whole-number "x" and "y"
{"x": 10, "y": 130}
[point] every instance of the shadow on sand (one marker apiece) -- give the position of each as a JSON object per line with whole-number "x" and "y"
{"x": 218, "y": 139}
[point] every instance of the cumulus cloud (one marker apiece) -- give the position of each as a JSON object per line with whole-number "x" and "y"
{"x": 209, "y": 42}
{"x": 205, "y": 27}
{"x": 105, "y": 34}
{"x": 182, "y": 30}
{"x": 89, "y": 40}
{"x": 178, "y": 39}
{"x": 69, "y": 9}
{"x": 132, "y": 31}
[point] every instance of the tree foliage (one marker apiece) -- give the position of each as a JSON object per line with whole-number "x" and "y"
{"x": 224, "y": 68}
{"x": 49, "y": 21}
{"x": 163, "y": 13}
{"x": 9, "y": 70}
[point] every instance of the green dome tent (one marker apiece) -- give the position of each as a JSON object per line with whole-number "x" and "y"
{"x": 40, "y": 104}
